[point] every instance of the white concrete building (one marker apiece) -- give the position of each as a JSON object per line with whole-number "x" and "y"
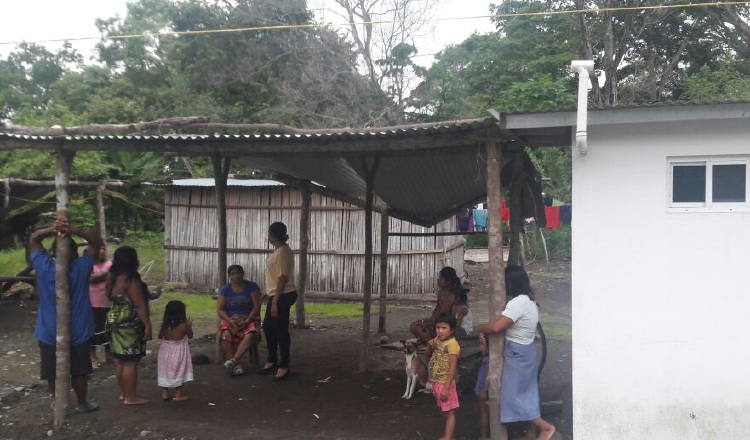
{"x": 661, "y": 257}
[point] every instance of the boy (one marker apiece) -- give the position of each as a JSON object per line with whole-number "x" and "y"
{"x": 443, "y": 367}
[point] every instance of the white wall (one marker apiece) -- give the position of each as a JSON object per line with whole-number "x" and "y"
{"x": 660, "y": 301}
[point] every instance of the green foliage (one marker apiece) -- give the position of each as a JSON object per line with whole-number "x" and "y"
{"x": 726, "y": 82}
{"x": 559, "y": 243}
{"x": 476, "y": 241}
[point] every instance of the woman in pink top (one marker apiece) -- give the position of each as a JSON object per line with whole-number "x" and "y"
{"x": 99, "y": 307}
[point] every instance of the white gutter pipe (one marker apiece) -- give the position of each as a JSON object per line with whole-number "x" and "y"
{"x": 582, "y": 68}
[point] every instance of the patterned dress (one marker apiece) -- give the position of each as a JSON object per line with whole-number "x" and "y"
{"x": 126, "y": 330}
{"x": 175, "y": 366}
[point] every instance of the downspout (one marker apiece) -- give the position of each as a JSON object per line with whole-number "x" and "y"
{"x": 582, "y": 68}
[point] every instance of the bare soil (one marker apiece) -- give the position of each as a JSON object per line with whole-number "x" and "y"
{"x": 325, "y": 397}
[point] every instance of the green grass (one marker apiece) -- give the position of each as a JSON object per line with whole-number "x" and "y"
{"x": 200, "y": 308}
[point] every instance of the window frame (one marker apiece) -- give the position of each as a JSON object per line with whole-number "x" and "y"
{"x": 708, "y": 205}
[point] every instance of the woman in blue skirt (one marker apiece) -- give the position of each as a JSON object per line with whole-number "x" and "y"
{"x": 519, "y": 392}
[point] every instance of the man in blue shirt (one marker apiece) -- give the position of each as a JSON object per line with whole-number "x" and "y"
{"x": 82, "y": 323}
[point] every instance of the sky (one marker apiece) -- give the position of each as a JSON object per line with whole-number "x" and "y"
{"x": 34, "y": 20}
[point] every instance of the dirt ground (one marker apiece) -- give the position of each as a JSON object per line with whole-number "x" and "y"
{"x": 324, "y": 397}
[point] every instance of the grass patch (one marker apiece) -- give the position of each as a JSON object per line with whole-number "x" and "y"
{"x": 336, "y": 309}
{"x": 200, "y": 308}
{"x": 12, "y": 262}
{"x": 556, "y": 327}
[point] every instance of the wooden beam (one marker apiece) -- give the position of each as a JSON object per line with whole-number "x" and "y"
{"x": 515, "y": 253}
{"x": 370, "y": 173}
{"x": 304, "y": 244}
{"x": 100, "y": 212}
{"x": 62, "y": 293}
{"x": 384, "y": 224}
{"x": 26, "y": 182}
{"x": 221, "y": 173}
{"x": 497, "y": 286}
{"x": 434, "y": 234}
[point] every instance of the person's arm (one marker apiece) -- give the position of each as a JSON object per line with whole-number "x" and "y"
{"x": 460, "y": 313}
{"x": 189, "y": 329}
{"x": 452, "y": 368}
{"x": 280, "y": 284}
{"x": 255, "y": 313}
{"x": 497, "y": 326}
{"x": 135, "y": 294}
{"x": 483, "y": 344}
{"x": 99, "y": 277}
{"x": 35, "y": 241}
{"x": 221, "y": 310}
{"x": 94, "y": 241}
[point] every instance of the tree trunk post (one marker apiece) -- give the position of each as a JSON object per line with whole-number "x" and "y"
{"x": 384, "y": 228}
{"x": 100, "y": 211}
{"x": 221, "y": 172}
{"x": 497, "y": 285}
{"x": 62, "y": 293}
{"x": 370, "y": 180}
{"x": 515, "y": 253}
{"x": 304, "y": 244}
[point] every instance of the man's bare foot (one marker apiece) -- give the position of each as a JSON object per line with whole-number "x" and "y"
{"x": 137, "y": 395}
{"x": 547, "y": 434}
{"x": 180, "y": 398}
{"x": 137, "y": 400}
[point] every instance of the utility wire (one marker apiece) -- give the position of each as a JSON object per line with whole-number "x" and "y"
{"x": 380, "y": 22}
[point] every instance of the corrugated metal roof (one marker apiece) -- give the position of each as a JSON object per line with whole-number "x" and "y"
{"x": 210, "y": 182}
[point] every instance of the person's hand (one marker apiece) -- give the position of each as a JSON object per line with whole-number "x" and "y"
{"x": 482, "y": 339}
{"x": 444, "y": 394}
{"x": 189, "y": 323}
{"x": 147, "y": 334}
{"x": 432, "y": 342}
{"x": 274, "y": 310}
{"x": 61, "y": 227}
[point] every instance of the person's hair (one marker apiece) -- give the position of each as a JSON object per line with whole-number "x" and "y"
{"x": 174, "y": 315}
{"x": 460, "y": 294}
{"x": 450, "y": 274}
{"x": 278, "y": 230}
{"x": 517, "y": 282}
{"x": 235, "y": 267}
{"x": 124, "y": 261}
{"x": 447, "y": 318}
{"x": 71, "y": 245}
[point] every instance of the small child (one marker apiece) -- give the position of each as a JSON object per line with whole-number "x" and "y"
{"x": 481, "y": 390}
{"x": 175, "y": 365}
{"x": 443, "y": 367}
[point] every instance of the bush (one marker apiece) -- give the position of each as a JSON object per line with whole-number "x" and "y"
{"x": 558, "y": 242}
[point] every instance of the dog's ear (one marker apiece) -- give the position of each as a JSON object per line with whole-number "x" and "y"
{"x": 403, "y": 341}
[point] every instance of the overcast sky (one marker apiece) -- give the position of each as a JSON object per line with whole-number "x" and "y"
{"x": 33, "y": 20}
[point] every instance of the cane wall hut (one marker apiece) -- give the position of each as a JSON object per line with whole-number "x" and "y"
{"x": 337, "y": 245}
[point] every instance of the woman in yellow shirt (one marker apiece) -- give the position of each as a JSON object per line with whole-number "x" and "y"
{"x": 281, "y": 295}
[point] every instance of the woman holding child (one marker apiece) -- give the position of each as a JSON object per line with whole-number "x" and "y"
{"x": 239, "y": 310}
{"x": 519, "y": 391}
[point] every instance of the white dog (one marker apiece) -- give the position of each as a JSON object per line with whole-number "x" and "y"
{"x": 416, "y": 369}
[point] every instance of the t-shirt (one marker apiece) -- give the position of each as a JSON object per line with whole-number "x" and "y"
{"x": 281, "y": 262}
{"x": 525, "y": 315}
{"x": 97, "y": 295}
{"x": 239, "y": 303}
{"x": 440, "y": 360}
{"x": 81, "y": 318}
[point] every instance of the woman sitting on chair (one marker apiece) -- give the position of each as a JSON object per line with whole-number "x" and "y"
{"x": 239, "y": 310}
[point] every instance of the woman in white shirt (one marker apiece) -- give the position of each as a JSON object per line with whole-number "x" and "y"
{"x": 519, "y": 391}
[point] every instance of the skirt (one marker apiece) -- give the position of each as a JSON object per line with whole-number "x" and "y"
{"x": 519, "y": 394}
{"x": 175, "y": 365}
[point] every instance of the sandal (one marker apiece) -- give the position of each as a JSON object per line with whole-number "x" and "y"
{"x": 268, "y": 370}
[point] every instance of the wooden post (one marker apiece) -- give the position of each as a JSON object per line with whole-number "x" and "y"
{"x": 62, "y": 293}
{"x": 384, "y": 227}
{"x": 221, "y": 172}
{"x": 497, "y": 285}
{"x": 370, "y": 179}
{"x": 304, "y": 244}
{"x": 100, "y": 211}
{"x": 515, "y": 253}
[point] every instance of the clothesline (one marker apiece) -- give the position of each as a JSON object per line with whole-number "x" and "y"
{"x": 471, "y": 220}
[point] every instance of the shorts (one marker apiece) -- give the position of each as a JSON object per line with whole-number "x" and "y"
{"x": 445, "y": 405}
{"x": 427, "y": 326}
{"x": 100, "y": 336}
{"x": 225, "y": 331}
{"x": 80, "y": 362}
{"x": 484, "y": 368}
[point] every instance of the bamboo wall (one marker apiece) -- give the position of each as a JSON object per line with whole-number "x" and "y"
{"x": 337, "y": 240}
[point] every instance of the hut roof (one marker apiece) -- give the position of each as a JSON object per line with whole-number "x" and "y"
{"x": 425, "y": 173}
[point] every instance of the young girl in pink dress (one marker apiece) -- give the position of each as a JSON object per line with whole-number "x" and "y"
{"x": 175, "y": 366}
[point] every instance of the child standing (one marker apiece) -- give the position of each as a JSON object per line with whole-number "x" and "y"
{"x": 443, "y": 367}
{"x": 175, "y": 366}
{"x": 481, "y": 390}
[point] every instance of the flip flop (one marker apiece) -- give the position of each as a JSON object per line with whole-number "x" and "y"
{"x": 86, "y": 408}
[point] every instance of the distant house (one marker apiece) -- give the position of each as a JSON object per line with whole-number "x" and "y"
{"x": 661, "y": 255}
{"x": 336, "y": 253}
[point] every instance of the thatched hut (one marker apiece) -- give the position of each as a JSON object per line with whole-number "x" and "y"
{"x": 337, "y": 245}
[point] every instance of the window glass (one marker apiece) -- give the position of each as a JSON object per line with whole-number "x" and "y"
{"x": 689, "y": 184}
{"x": 729, "y": 183}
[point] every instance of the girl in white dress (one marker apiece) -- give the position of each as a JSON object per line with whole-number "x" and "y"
{"x": 175, "y": 366}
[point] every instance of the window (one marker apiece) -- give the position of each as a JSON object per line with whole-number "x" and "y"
{"x": 708, "y": 184}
